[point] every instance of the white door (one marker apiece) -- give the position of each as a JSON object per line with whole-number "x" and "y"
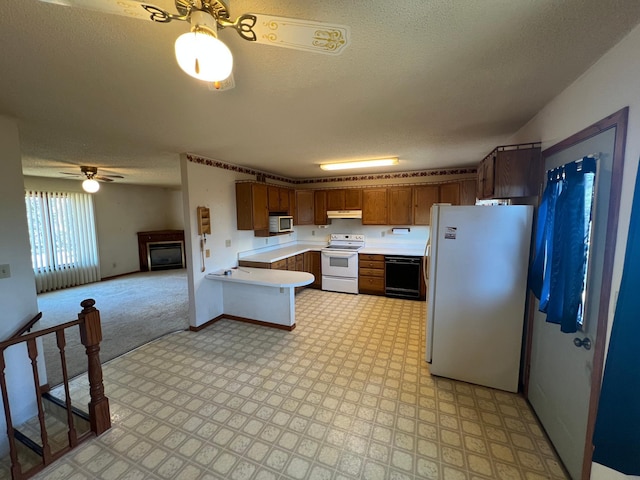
{"x": 560, "y": 375}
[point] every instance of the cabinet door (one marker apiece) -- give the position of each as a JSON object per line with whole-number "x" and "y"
{"x": 353, "y": 199}
{"x": 320, "y": 207}
{"x": 273, "y": 196}
{"x": 450, "y": 193}
{"x": 374, "y": 206}
{"x": 304, "y": 208}
{"x": 335, "y": 199}
{"x": 260, "y": 207}
{"x": 468, "y": 192}
{"x": 300, "y": 262}
{"x": 516, "y": 173}
{"x": 279, "y": 265}
{"x": 283, "y": 200}
{"x": 424, "y": 196}
{"x": 292, "y": 203}
{"x": 400, "y": 201}
{"x": 252, "y": 211}
{"x": 488, "y": 174}
{"x": 313, "y": 266}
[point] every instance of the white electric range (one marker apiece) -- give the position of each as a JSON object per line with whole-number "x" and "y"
{"x": 340, "y": 262}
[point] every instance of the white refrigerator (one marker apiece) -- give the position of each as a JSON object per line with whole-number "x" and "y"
{"x": 477, "y": 280}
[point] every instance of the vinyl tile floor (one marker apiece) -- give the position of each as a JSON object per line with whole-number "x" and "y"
{"x": 345, "y": 395}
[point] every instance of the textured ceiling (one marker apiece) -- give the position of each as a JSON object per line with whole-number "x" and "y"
{"x": 437, "y": 83}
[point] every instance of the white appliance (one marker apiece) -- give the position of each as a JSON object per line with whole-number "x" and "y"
{"x": 340, "y": 262}
{"x": 344, "y": 213}
{"x": 280, "y": 223}
{"x": 477, "y": 281}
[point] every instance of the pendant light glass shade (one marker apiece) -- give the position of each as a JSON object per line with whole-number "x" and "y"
{"x": 90, "y": 185}
{"x": 201, "y": 55}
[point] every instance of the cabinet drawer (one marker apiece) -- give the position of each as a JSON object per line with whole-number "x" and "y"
{"x": 378, "y": 264}
{"x": 371, "y": 272}
{"x": 370, "y": 256}
{"x": 368, "y": 284}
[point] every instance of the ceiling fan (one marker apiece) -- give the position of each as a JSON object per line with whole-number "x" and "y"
{"x": 91, "y": 184}
{"x": 199, "y": 52}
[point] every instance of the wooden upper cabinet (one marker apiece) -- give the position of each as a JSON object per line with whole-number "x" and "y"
{"x": 510, "y": 171}
{"x": 450, "y": 193}
{"x": 304, "y": 208}
{"x": 353, "y": 199}
{"x": 424, "y": 196}
{"x": 344, "y": 199}
{"x": 278, "y": 199}
{"x": 468, "y": 192}
{"x": 320, "y": 207}
{"x": 400, "y": 201}
{"x": 374, "y": 206}
{"x": 252, "y": 209}
{"x": 335, "y": 199}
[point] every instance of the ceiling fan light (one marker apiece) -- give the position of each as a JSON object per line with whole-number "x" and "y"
{"x": 201, "y": 55}
{"x": 382, "y": 162}
{"x": 90, "y": 185}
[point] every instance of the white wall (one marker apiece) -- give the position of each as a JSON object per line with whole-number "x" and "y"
{"x": 374, "y": 234}
{"x": 608, "y": 86}
{"x": 18, "y": 292}
{"x": 207, "y": 186}
{"x": 121, "y": 211}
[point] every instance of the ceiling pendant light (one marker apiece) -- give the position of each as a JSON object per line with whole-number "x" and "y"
{"x": 382, "y": 162}
{"x": 199, "y": 52}
{"x": 90, "y": 185}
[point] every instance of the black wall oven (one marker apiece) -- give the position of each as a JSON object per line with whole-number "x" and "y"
{"x": 402, "y": 276}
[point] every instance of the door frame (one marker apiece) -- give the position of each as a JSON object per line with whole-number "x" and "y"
{"x": 617, "y": 120}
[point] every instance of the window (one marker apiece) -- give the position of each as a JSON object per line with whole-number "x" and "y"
{"x": 64, "y": 250}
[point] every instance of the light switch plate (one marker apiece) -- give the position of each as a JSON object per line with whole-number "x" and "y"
{"x": 5, "y": 271}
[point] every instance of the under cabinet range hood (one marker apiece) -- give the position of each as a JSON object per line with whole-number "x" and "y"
{"x": 344, "y": 213}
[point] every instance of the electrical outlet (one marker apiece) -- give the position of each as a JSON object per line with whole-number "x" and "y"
{"x": 313, "y": 233}
{"x": 266, "y": 241}
{"x": 382, "y": 234}
{"x": 207, "y": 253}
{"x": 227, "y": 243}
{"x": 5, "y": 271}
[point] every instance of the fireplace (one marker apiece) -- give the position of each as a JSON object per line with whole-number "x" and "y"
{"x": 161, "y": 249}
{"x": 165, "y": 255}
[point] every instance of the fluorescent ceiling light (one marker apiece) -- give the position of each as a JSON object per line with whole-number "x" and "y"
{"x": 383, "y": 162}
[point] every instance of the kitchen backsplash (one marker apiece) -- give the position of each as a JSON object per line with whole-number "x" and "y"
{"x": 374, "y": 234}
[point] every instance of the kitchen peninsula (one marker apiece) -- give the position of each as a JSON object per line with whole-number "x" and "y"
{"x": 271, "y": 293}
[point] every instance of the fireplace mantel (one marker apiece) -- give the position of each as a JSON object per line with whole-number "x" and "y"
{"x": 144, "y": 238}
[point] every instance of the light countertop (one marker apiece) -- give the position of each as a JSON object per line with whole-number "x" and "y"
{"x": 411, "y": 250}
{"x": 282, "y": 253}
{"x": 263, "y": 277}
{"x": 289, "y": 250}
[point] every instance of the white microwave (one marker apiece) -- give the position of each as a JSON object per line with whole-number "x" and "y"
{"x": 279, "y": 224}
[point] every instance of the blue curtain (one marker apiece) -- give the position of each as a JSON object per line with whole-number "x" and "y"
{"x": 557, "y": 275}
{"x": 617, "y": 432}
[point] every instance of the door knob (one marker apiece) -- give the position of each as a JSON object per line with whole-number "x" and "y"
{"x": 585, "y": 342}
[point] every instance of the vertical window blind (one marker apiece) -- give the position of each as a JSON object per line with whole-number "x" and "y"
{"x": 64, "y": 247}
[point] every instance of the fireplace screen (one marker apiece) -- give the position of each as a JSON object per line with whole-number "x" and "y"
{"x": 165, "y": 255}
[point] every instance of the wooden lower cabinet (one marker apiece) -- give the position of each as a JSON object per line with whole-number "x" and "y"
{"x": 371, "y": 274}
{"x": 303, "y": 262}
{"x": 312, "y": 265}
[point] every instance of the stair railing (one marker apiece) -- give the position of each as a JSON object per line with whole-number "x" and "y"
{"x": 88, "y": 323}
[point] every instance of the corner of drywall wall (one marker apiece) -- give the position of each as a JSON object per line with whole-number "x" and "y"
{"x": 18, "y": 292}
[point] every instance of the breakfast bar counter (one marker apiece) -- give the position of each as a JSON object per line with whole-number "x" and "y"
{"x": 259, "y": 295}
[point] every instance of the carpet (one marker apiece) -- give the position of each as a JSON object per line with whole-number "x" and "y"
{"x": 134, "y": 309}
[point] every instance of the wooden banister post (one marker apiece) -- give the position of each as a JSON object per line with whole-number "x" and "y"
{"x": 91, "y": 336}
